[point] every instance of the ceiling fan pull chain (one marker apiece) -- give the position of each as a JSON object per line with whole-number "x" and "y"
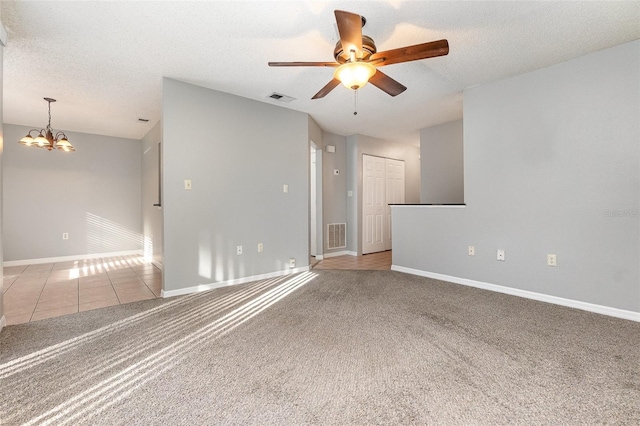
{"x": 355, "y": 102}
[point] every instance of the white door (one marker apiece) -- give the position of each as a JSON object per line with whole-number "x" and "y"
{"x": 394, "y": 192}
{"x": 373, "y": 204}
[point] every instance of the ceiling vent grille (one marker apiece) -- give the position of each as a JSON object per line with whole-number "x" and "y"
{"x": 280, "y": 97}
{"x": 336, "y": 235}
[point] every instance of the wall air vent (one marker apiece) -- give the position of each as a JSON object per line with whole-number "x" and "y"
{"x": 280, "y": 97}
{"x": 336, "y": 235}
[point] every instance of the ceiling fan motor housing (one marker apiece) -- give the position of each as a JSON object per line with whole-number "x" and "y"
{"x": 368, "y": 49}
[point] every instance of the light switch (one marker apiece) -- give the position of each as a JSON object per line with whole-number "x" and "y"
{"x": 285, "y": 188}
{"x": 187, "y": 184}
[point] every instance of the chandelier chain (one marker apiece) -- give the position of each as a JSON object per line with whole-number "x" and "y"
{"x": 49, "y": 125}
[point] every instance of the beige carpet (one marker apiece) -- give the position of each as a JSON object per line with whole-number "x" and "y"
{"x": 326, "y": 347}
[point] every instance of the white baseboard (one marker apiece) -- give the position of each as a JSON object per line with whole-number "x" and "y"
{"x": 341, "y": 253}
{"x": 318, "y": 257}
{"x": 69, "y": 258}
{"x": 599, "y": 309}
{"x": 3, "y": 322}
{"x": 211, "y": 286}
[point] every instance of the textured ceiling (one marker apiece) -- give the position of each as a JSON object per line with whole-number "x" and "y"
{"x": 104, "y": 61}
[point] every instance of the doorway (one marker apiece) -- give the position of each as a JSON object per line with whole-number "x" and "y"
{"x": 315, "y": 203}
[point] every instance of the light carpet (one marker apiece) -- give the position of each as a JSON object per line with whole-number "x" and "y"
{"x": 324, "y": 347}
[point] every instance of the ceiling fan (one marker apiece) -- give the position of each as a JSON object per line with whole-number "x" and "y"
{"x": 357, "y": 59}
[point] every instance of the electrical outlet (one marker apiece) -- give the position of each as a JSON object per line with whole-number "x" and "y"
{"x": 260, "y": 247}
{"x": 551, "y": 260}
{"x": 239, "y": 250}
{"x": 65, "y": 235}
{"x": 472, "y": 251}
{"x": 500, "y": 255}
{"x": 292, "y": 263}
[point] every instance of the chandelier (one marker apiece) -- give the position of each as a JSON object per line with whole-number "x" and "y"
{"x": 46, "y": 138}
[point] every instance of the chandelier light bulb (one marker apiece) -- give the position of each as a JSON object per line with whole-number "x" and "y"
{"x": 40, "y": 140}
{"x": 27, "y": 140}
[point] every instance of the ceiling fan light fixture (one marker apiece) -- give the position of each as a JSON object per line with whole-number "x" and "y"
{"x": 354, "y": 75}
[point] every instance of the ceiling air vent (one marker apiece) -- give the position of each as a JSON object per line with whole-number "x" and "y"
{"x": 280, "y": 97}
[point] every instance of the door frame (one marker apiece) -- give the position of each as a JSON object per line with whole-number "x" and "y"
{"x": 316, "y": 234}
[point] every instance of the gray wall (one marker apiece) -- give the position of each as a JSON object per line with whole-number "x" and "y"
{"x": 441, "y": 164}
{"x": 333, "y": 208}
{"x": 334, "y": 187}
{"x": 552, "y": 165}
{"x": 357, "y": 145}
{"x": 93, "y": 194}
{"x": 238, "y": 153}
{"x": 315, "y": 132}
{"x": 151, "y": 215}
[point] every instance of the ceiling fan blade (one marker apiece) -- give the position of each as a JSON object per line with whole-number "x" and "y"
{"x": 386, "y": 83}
{"x": 304, "y": 64}
{"x": 411, "y": 53}
{"x": 326, "y": 89}
{"x": 350, "y": 29}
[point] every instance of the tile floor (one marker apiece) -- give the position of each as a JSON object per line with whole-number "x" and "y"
{"x": 36, "y": 292}
{"x": 48, "y": 290}
{"x": 375, "y": 261}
